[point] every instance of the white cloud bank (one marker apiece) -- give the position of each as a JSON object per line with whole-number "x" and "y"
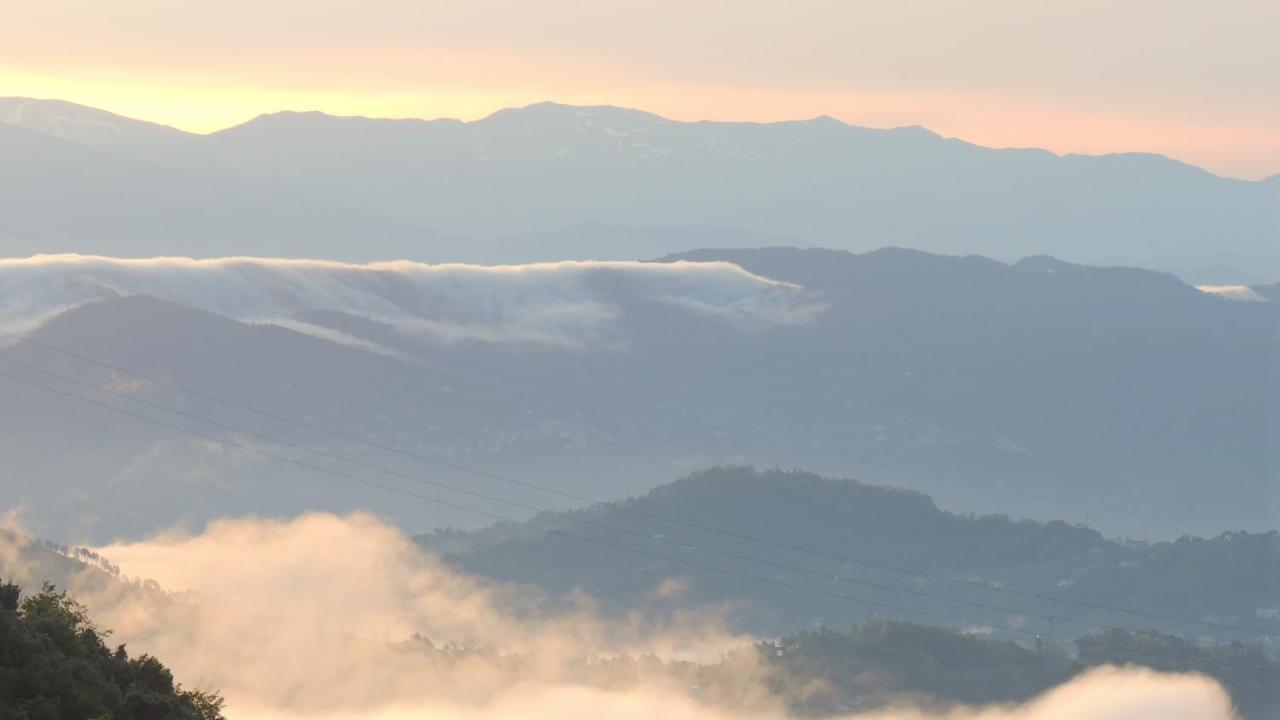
{"x": 565, "y": 303}
{"x": 1242, "y": 293}
{"x": 309, "y": 618}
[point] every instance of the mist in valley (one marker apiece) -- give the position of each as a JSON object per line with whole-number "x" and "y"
{"x": 703, "y": 360}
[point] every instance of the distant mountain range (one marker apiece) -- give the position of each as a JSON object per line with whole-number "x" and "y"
{"x": 553, "y": 182}
{"x": 1116, "y": 397}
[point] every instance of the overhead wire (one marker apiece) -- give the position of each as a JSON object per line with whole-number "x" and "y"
{"x": 557, "y": 531}
{"x": 621, "y": 507}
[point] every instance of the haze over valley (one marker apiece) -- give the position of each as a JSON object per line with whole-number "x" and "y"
{"x": 1040, "y": 388}
{"x": 710, "y": 361}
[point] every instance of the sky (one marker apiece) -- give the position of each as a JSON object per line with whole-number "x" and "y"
{"x": 1186, "y": 78}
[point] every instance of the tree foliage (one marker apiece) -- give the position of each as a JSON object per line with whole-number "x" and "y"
{"x": 56, "y": 665}
{"x": 878, "y": 662}
{"x": 882, "y": 536}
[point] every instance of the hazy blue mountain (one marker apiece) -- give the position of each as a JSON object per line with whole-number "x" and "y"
{"x": 1271, "y": 291}
{"x": 96, "y": 128}
{"x": 87, "y": 473}
{"x": 1117, "y": 397}
{"x": 503, "y": 187}
{"x": 61, "y": 195}
{"x": 871, "y": 537}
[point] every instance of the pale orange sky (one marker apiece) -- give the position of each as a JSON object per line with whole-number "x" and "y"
{"x": 1194, "y": 80}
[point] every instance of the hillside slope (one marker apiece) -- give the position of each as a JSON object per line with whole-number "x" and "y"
{"x": 814, "y": 546}
{"x": 1116, "y": 397}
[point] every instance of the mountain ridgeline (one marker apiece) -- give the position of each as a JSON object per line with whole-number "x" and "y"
{"x": 584, "y": 411}
{"x": 801, "y": 549}
{"x": 1115, "y": 397}
{"x": 549, "y": 182}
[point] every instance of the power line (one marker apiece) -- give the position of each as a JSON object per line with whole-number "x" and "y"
{"x": 586, "y": 521}
{"x": 595, "y": 541}
{"x": 531, "y": 508}
{"x": 551, "y": 388}
{"x": 1123, "y": 512}
{"x": 455, "y": 366}
{"x": 644, "y": 536}
{"x": 1089, "y": 506}
{"x": 458, "y": 506}
{"x": 25, "y": 237}
{"x": 1013, "y": 591}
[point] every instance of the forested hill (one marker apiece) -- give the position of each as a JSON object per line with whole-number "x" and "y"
{"x": 809, "y": 544}
{"x": 1040, "y": 388}
{"x": 889, "y": 660}
{"x": 54, "y": 663}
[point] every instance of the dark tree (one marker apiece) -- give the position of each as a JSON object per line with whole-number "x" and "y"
{"x": 55, "y": 665}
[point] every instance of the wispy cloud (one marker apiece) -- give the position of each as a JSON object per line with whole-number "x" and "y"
{"x": 1243, "y": 293}
{"x": 573, "y": 304}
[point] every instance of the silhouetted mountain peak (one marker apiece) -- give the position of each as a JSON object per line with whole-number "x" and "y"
{"x": 1146, "y": 163}
{"x": 1044, "y": 263}
{"x": 917, "y": 131}
{"x": 479, "y": 184}
{"x": 83, "y": 124}
{"x": 567, "y": 123}
{"x": 290, "y": 120}
{"x": 548, "y": 108}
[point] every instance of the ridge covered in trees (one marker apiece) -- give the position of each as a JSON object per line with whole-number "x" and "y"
{"x": 55, "y": 664}
{"x": 879, "y": 662}
{"x": 894, "y": 547}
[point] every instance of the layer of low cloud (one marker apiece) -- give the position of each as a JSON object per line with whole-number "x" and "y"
{"x": 1103, "y": 694}
{"x": 573, "y": 304}
{"x": 1242, "y": 293}
{"x": 321, "y": 617}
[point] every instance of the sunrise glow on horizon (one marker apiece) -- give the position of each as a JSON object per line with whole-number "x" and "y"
{"x": 1088, "y": 81}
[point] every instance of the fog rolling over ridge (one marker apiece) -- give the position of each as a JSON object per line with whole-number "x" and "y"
{"x": 1120, "y": 398}
{"x": 571, "y": 304}
{"x": 550, "y": 182}
{"x": 691, "y": 360}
